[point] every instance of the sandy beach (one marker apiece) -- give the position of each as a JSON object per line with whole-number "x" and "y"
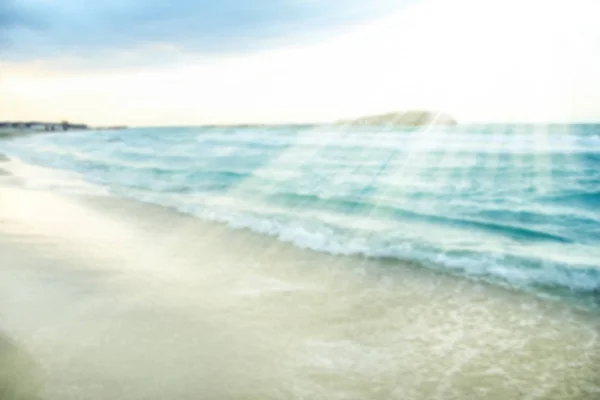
{"x": 112, "y": 298}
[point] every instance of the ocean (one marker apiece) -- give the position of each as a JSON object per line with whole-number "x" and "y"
{"x": 512, "y": 205}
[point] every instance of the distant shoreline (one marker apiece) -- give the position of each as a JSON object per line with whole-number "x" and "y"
{"x": 15, "y": 132}
{"x": 10, "y": 132}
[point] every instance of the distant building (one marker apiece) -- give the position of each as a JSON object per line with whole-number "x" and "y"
{"x": 38, "y": 126}
{"x": 77, "y": 126}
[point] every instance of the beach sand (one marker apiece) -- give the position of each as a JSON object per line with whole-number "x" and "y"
{"x": 116, "y": 299}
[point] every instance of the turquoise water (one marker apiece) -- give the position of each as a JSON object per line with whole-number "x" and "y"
{"x": 516, "y": 205}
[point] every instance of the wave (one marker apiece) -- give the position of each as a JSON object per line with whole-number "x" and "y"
{"x": 357, "y": 206}
{"x": 499, "y": 268}
{"x": 589, "y": 199}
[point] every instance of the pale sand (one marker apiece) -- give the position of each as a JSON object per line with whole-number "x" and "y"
{"x": 114, "y": 299}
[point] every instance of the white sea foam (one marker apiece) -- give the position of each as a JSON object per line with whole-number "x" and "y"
{"x": 41, "y": 178}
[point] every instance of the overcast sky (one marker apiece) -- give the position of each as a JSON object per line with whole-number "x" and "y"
{"x": 142, "y": 62}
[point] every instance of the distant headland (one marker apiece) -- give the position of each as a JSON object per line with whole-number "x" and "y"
{"x": 397, "y": 119}
{"x": 402, "y": 118}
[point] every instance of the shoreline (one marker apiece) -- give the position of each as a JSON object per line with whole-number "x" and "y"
{"x": 380, "y": 267}
{"x": 94, "y": 286}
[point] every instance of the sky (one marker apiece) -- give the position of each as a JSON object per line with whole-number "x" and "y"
{"x": 187, "y": 62}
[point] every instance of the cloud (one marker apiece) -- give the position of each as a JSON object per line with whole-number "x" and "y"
{"x": 479, "y": 60}
{"x": 41, "y": 29}
{"x": 9, "y": 19}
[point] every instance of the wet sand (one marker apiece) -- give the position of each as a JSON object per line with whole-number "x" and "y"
{"x": 115, "y": 299}
{"x": 19, "y": 374}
